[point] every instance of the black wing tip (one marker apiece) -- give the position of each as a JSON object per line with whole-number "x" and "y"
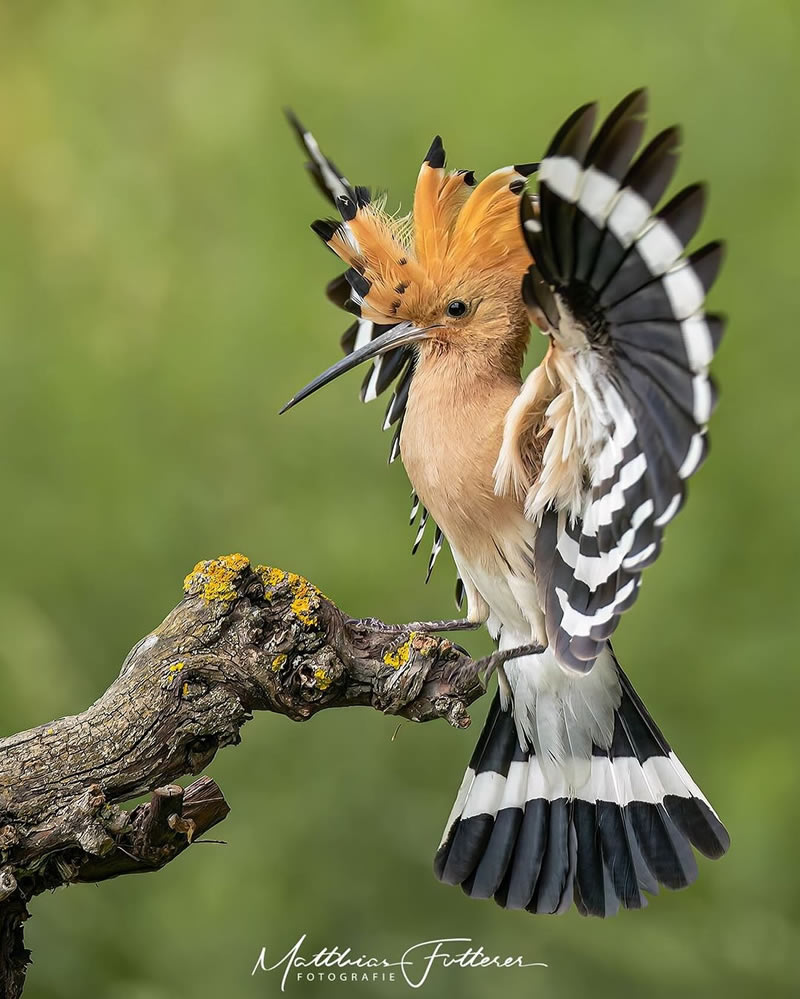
{"x": 435, "y": 156}
{"x": 707, "y": 261}
{"x": 590, "y": 107}
{"x": 670, "y": 137}
{"x": 713, "y": 246}
{"x": 697, "y": 187}
{"x": 582, "y": 118}
{"x": 636, "y": 101}
{"x": 717, "y": 322}
{"x": 695, "y": 194}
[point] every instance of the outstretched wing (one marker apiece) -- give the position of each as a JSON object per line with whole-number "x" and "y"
{"x": 395, "y": 367}
{"x": 630, "y": 350}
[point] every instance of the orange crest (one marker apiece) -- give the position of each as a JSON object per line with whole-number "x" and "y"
{"x": 398, "y": 265}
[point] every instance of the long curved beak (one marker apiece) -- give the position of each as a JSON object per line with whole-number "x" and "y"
{"x": 398, "y": 336}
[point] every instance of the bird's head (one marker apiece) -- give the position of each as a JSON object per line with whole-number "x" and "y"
{"x": 445, "y": 277}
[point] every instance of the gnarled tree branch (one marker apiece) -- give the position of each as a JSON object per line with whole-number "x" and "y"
{"x": 243, "y": 639}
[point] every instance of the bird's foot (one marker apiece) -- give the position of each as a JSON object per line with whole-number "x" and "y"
{"x": 373, "y": 624}
{"x": 489, "y": 663}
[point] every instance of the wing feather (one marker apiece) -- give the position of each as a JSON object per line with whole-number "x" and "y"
{"x": 630, "y": 350}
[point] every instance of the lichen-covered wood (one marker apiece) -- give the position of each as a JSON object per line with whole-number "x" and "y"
{"x": 243, "y": 639}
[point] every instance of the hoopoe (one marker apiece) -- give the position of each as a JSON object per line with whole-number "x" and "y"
{"x": 553, "y": 492}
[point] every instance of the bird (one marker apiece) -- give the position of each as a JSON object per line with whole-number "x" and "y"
{"x": 552, "y": 490}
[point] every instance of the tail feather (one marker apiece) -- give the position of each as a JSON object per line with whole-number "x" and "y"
{"x": 647, "y": 882}
{"x": 557, "y": 874}
{"x": 625, "y": 867}
{"x": 699, "y": 824}
{"x": 516, "y": 835}
{"x": 522, "y": 875}
{"x": 666, "y": 852}
{"x": 479, "y": 800}
{"x": 493, "y": 864}
{"x": 689, "y": 811}
{"x": 591, "y": 876}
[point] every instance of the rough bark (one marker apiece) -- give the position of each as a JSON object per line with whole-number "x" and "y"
{"x": 243, "y": 639}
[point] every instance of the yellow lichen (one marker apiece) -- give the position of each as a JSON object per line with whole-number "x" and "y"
{"x": 278, "y": 661}
{"x": 305, "y": 596}
{"x": 306, "y": 599}
{"x": 323, "y": 679}
{"x": 399, "y": 656}
{"x": 186, "y": 690}
{"x": 214, "y": 578}
{"x": 172, "y": 673}
{"x": 270, "y": 576}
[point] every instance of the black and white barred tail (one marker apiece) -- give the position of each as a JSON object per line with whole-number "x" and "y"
{"x": 519, "y": 838}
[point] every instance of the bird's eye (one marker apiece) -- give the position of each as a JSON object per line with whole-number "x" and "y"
{"x": 457, "y": 308}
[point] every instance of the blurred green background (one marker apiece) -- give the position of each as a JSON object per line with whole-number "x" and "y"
{"x": 161, "y": 297}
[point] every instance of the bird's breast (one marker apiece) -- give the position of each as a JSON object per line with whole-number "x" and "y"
{"x": 451, "y": 437}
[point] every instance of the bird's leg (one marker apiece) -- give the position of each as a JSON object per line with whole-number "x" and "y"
{"x": 373, "y": 624}
{"x": 490, "y": 663}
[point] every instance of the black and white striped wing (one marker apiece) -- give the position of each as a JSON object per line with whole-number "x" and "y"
{"x": 625, "y": 305}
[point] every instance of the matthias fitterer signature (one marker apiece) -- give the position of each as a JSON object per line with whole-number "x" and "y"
{"x": 414, "y": 966}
